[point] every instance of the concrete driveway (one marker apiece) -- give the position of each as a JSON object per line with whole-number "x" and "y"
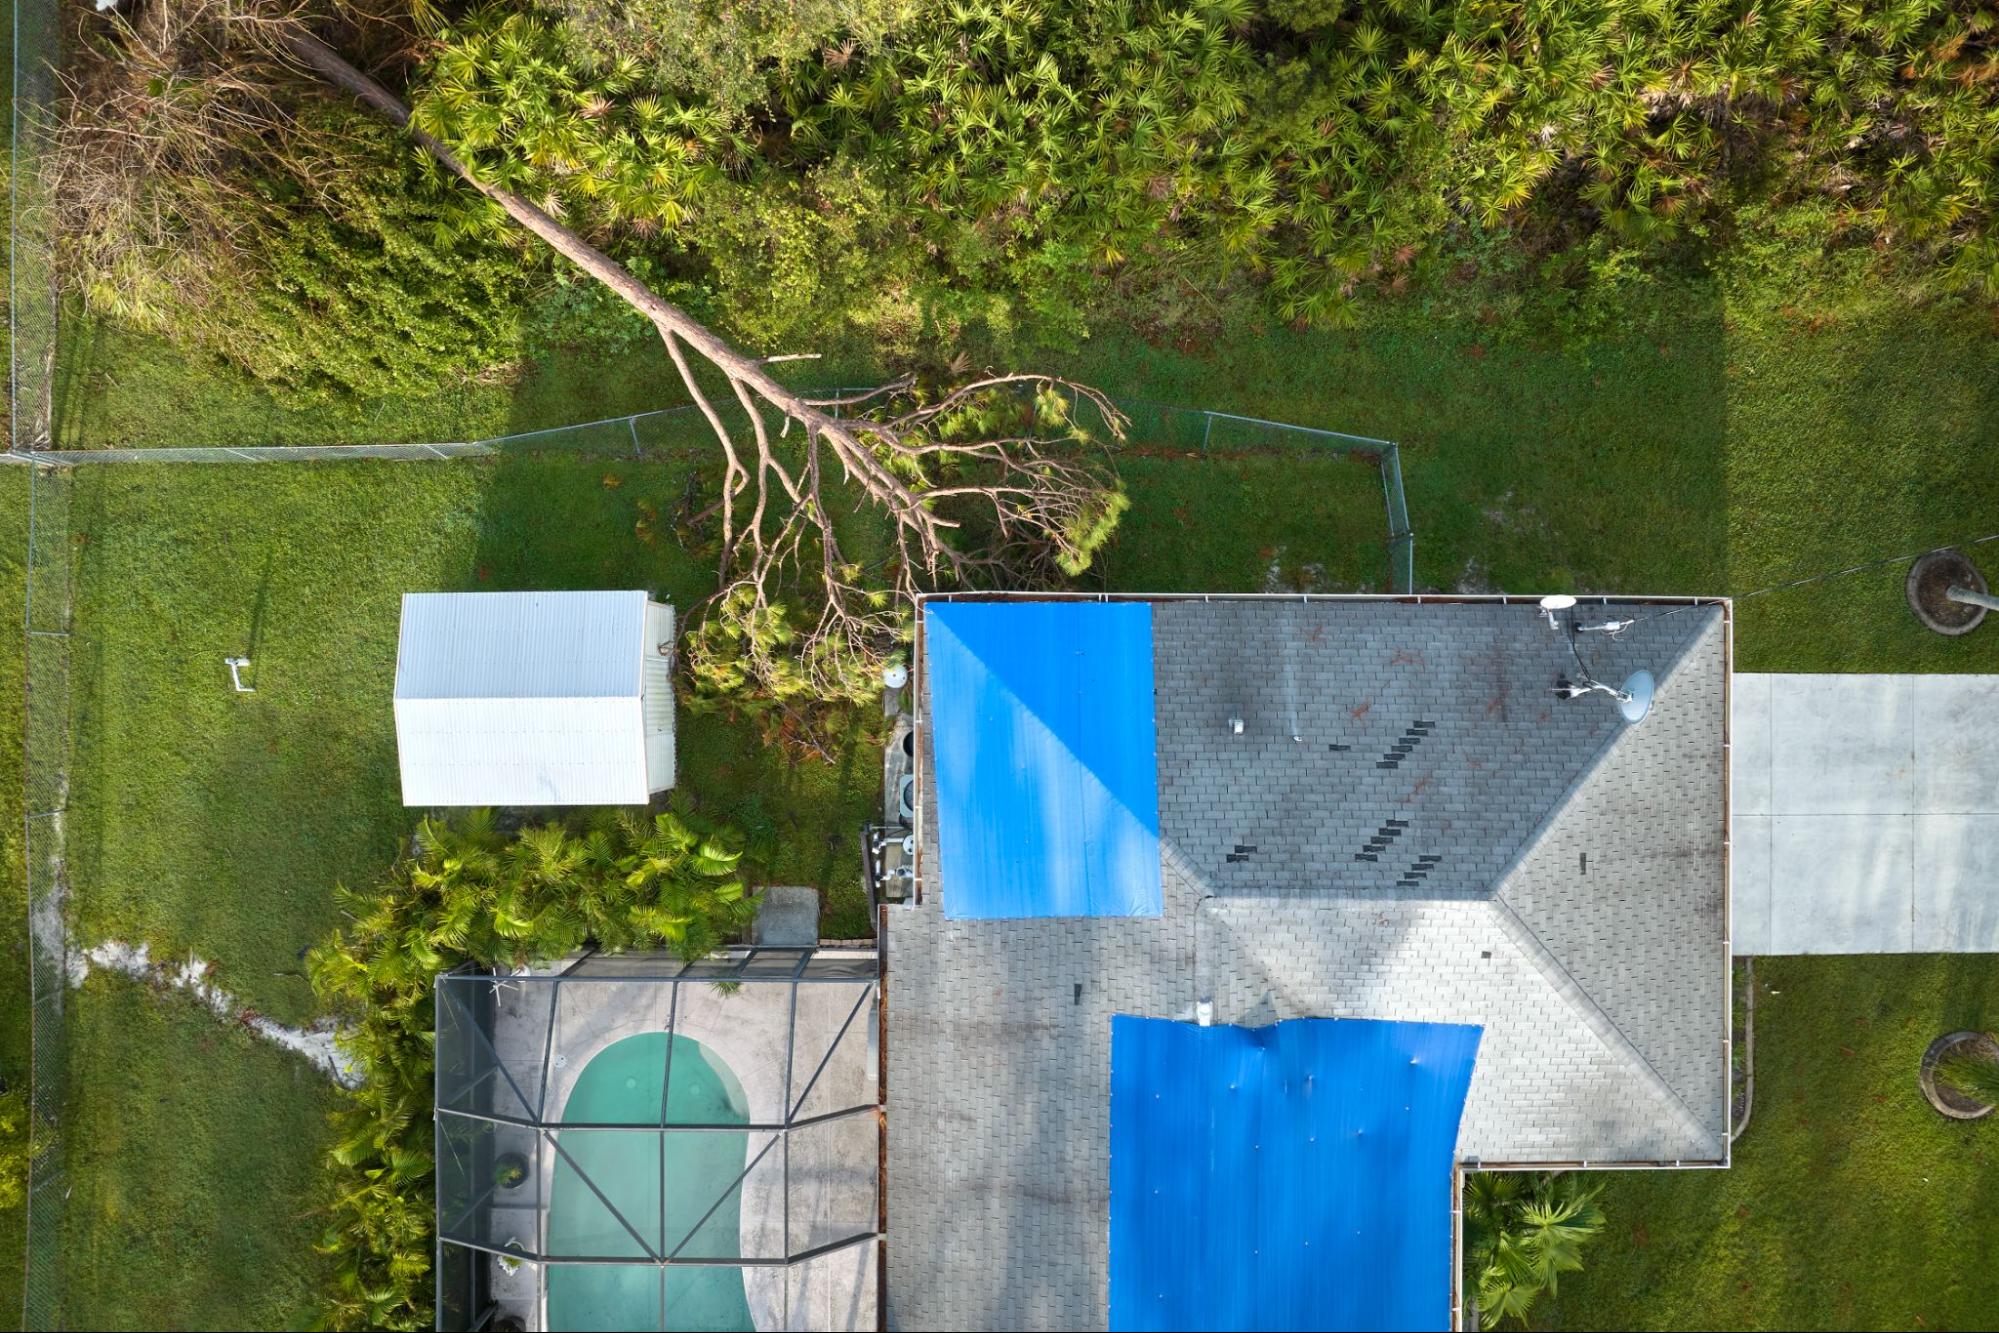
{"x": 1866, "y": 814}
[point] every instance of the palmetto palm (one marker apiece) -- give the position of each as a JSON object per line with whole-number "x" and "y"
{"x": 1521, "y": 1234}
{"x": 470, "y": 894}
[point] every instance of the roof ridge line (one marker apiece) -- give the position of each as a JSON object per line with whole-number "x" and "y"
{"x": 1540, "y": 834}
{"x": 1594, "y": 1016}
{"x": 1516, "y": 925}
{"x": 1561, "y": 803}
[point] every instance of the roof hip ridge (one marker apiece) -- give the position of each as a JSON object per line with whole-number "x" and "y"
{"x": 1598, "y": 1021}
{"x": 1533, "y": 841}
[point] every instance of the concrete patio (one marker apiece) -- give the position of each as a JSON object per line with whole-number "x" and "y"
{"x": 1866, "y": 814}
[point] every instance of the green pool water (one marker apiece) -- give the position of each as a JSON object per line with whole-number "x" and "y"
{"x": 621, "y": 1086}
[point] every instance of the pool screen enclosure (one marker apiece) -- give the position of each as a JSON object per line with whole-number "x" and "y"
{"x": 629, "y": 1141}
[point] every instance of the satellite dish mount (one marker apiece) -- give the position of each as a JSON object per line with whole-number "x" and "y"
{"x": 1633, "y": 697}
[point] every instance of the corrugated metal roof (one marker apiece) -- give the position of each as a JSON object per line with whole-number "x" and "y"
{"x": 520, "y": 645}
{"x": 522, "y": 699}
{"x": 521, "y": 752}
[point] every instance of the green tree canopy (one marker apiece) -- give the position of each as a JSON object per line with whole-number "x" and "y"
{"x": 1320, "y": 147}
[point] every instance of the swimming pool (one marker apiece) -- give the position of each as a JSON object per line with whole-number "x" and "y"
{"x": 621, "y": 1086}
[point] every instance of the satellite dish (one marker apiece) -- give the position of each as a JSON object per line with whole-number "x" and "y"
{"x": 1637, "y": 701}
{"x": 1560, "y": 601}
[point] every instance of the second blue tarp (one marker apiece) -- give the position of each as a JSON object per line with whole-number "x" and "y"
{"x": 1296, "y": 1176}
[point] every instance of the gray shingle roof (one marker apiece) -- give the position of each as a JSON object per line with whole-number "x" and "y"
{"x": 1435, "y": 837}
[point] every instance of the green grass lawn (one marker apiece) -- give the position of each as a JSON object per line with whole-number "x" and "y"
{"x": 217, "y": 822}
{"x": 1709, "y": 441}
{"x": 1851, "y": 1204}
{"x": 194, "y": 1190}
{"x": 210, "y": 822}
{"x": 14, "y": 1010}
{"x": 1705, "y": 449}
{"x": 135, "y": 390}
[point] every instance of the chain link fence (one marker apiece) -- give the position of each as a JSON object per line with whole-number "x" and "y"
{"x": 1199, "y": 430}
{"x": 671, "y": 431}
{"x": 32, "y": 311}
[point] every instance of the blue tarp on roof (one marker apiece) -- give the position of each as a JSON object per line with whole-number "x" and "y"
{"x": 1296, "y": 1176}
{"x": 1043, "y": 745}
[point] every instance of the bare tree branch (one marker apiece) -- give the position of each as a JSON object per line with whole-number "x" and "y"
{"x": 1041, "y": 501}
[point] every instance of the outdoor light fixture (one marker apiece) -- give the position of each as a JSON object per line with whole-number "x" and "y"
{"x": 236, "y": 665}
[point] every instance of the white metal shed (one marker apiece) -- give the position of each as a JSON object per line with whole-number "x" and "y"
{"x": 534, "y": 698}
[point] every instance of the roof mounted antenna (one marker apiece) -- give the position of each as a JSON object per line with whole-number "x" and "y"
{"x": 1634, "y": 697}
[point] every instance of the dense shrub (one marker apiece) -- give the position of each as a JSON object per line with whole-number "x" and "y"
{"x": 728, "y": 48}
{"x": 471, "y": 894}
{"x": 914, "y": 175}
{"x": 13, "y": 1148}
{"x": 1041, "y": 149}
{"x": 387, "y": 284}
{"x": 204, "y": 191}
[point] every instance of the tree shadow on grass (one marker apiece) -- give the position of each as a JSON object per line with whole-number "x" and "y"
{"x": 1850, "y": 444}
{"x": 602, "y": 520}
{"x": 1537, "y": 456}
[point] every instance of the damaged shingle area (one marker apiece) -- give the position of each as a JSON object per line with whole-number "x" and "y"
{"x": 1409, "y": 826}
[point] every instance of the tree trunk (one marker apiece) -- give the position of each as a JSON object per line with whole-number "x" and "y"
{"x": 674, "y": 324}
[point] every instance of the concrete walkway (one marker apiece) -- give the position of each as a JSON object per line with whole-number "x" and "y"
{"x": 1866, "y": 814}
